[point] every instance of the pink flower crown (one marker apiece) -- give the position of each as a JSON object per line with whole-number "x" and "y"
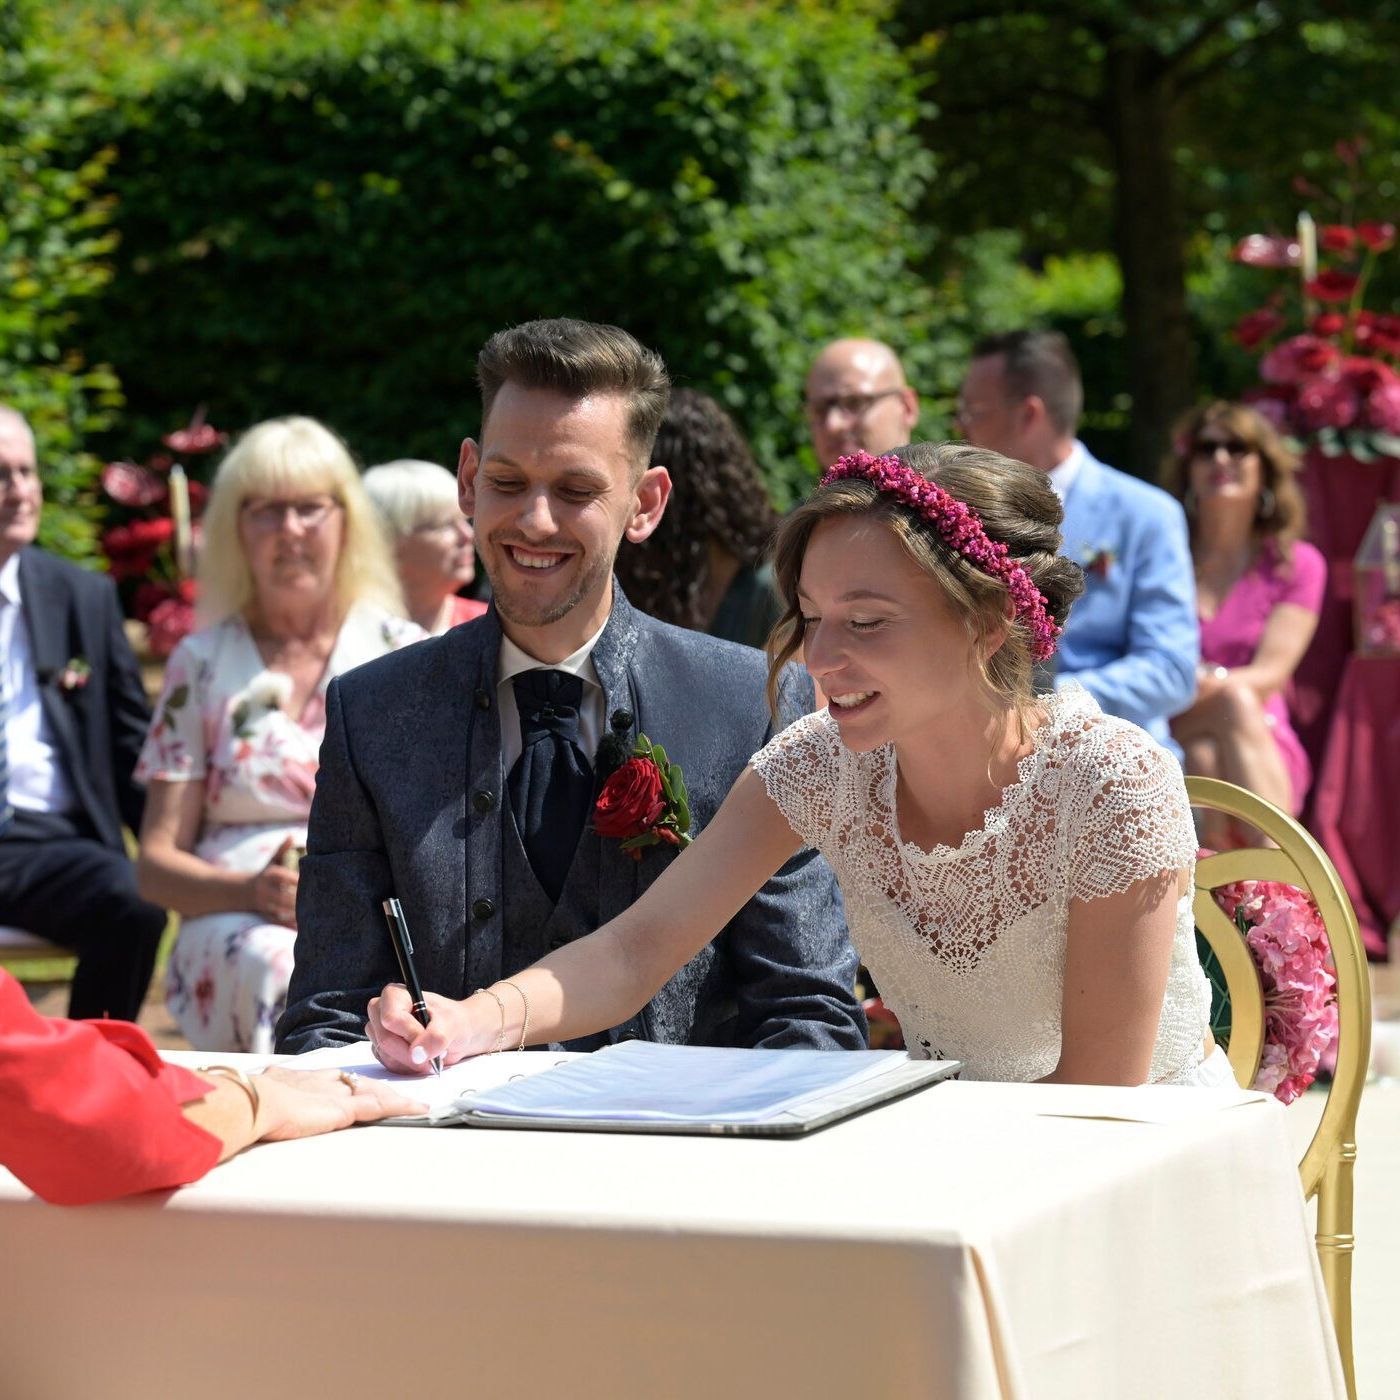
{"x": 962, "y": 530}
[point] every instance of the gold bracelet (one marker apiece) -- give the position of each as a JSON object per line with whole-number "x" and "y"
{"x": 243, "y": 1082}
{"x": 525, "y": 1002}
{"x": 501, "y": 1007}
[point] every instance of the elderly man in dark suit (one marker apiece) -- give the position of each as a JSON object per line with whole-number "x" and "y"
{"x": 460, "y": 773}
{"x": 74, "y": 715}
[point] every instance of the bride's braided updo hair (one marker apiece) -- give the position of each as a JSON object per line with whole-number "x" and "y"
{"x": 1016, "y": 506}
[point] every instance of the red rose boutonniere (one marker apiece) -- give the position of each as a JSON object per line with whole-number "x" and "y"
{"x": 644, "y": 801}
{"x": 1099, "y": 561}
{"x": 73, "y": 674}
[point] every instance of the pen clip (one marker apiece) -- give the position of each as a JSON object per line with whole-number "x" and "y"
{"x": 393, "y": 911}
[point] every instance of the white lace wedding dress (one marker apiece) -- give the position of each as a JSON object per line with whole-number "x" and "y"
{"x": 967, "y": 945}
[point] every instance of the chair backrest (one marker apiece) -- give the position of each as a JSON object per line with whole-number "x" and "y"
{"x": 1296, "y": 859}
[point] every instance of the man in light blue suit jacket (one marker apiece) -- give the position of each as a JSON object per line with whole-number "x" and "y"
{"x": 1132, "y": 640}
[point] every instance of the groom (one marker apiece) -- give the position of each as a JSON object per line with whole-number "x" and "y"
{"x": 459, "y": 774}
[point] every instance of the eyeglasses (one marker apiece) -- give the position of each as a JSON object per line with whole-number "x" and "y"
{"x": 854, "y": 406}
{"x": 309, "y": 513}
{"x": 1234, "y": 447}
{"x": 458, "y": 523}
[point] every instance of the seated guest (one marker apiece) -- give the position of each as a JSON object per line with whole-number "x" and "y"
{"x": 461, "y": 775}
{"x": 72, "y": 716}
{"x": 89, "y": 1111}
{"x": 1131, "y": 639}
{"x": 858, "y": 400}
{"x": 432, "y": 540}
{"x": 297, "y": 586}
{"x": 703, "y": 566}
{"x": 1258, "y": 590}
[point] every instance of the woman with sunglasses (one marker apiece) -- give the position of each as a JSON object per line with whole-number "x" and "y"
{"x": 1258, "y": 588}
{"x": 297, "y": 585}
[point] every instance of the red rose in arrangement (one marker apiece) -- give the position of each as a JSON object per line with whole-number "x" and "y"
{"x": 1299, "y": 358}
{"x": 1257, "y": 326}
{"x": 1332, "y": 285}
{"x": 644, "y": 802}
{"x": 1378, "y": 237}
{"x": 631, "y": 801}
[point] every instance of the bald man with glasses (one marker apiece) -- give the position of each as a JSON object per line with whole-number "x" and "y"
{"x": 859, "y": 400}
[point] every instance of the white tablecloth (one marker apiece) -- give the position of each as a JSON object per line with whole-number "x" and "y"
{"x": 974, "y": 1240}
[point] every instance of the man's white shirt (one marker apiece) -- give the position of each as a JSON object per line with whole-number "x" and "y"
{"x": 513, "y": 661}
{"x": 37, "y": 780}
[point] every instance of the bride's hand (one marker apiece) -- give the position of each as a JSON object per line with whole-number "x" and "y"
{"x": 402, "y": 1045}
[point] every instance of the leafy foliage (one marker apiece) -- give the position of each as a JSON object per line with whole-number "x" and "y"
{"x": 55, "y": 244}
{"x": 327, "y": 209}
{"x": 1048, "y": 121}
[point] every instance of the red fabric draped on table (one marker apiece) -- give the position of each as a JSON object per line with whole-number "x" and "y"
{"x": 88, "y": 1109}
{"x": 1342, "y": 495}
{"x": 1356, "y": 800}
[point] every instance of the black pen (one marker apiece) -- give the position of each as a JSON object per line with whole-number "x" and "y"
{"x": 403, "y": 950}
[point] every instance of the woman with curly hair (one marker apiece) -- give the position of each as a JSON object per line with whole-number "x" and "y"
{"x": 1258, "y": 591}
{"x": 703, "y": 566}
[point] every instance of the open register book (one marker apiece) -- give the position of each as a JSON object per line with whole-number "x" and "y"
{"x": 638, "y": 1087}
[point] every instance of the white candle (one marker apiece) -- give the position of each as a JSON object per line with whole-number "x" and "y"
{"x": 180, "y": 515}
{"x": 1307, "y": 246}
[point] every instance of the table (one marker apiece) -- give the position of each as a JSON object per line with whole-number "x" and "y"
{"x": 1356, "y": 799}
{"x": 973, "y": 1240}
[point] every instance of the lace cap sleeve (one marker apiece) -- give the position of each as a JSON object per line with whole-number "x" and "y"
{"x": 1131, "y": 818}
{"x": 798, "y": 768}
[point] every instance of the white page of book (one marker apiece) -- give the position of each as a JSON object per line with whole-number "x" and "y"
{"x": 465, "y": 1077}
{"x": 637, "y": 1081}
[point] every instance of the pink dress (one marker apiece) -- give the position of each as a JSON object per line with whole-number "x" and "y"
{"x": 1232, "y": 636}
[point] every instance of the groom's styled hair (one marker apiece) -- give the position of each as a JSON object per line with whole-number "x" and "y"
{"x": 576, "y": 359}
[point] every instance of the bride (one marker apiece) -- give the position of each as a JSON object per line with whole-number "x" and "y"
{"x": 1017, "y": 868}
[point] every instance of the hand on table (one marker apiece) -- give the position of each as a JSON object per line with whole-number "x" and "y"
{"x": 402, "y": 1045}
{"x": 297, "y": 1103}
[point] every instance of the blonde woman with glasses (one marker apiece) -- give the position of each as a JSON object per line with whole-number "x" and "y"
{"x": 296, "y": 586}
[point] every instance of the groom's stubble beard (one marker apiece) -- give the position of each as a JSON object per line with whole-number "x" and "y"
{"x": 523, "y": 612}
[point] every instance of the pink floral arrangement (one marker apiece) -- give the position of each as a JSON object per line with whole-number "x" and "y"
{"x": 1285, "y": 934}
{"x": 1334, "y": 381}
{"x": 140, "y": 537}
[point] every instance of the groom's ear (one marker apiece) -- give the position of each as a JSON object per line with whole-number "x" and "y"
{"x": 649, "y": 505}
{"x": 468, "y": 460}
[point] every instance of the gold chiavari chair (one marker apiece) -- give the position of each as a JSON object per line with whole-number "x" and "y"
{"x": 1328, "y": 1166}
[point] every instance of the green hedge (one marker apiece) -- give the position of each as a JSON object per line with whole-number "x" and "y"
{"x": 327, "y": 210}
{"x": 54, "y": 246}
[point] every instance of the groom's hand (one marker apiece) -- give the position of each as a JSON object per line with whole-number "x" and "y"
{"x": 402, "y": 1045}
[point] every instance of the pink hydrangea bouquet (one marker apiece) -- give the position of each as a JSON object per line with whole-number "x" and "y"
{"x": 1285, "y": 935}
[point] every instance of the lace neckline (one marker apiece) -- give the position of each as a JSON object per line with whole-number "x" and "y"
{"x": 1059, "y": 707}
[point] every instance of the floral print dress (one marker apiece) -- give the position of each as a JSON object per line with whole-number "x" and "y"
{"x": 222, "y": 720}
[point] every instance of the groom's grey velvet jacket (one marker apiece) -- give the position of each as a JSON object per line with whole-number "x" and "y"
{"x": 411, "y": 801}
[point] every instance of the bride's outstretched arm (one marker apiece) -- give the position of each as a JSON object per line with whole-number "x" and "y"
{"x": 598, "y": 981}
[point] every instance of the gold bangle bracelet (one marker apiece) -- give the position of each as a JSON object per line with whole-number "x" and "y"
{"x": 525, "y": 1002}
{"x": 501, "y": 1007}
{"x": 238, "y": 1077}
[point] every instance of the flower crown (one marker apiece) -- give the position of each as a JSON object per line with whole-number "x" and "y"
{"x": 962, "y": 530}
